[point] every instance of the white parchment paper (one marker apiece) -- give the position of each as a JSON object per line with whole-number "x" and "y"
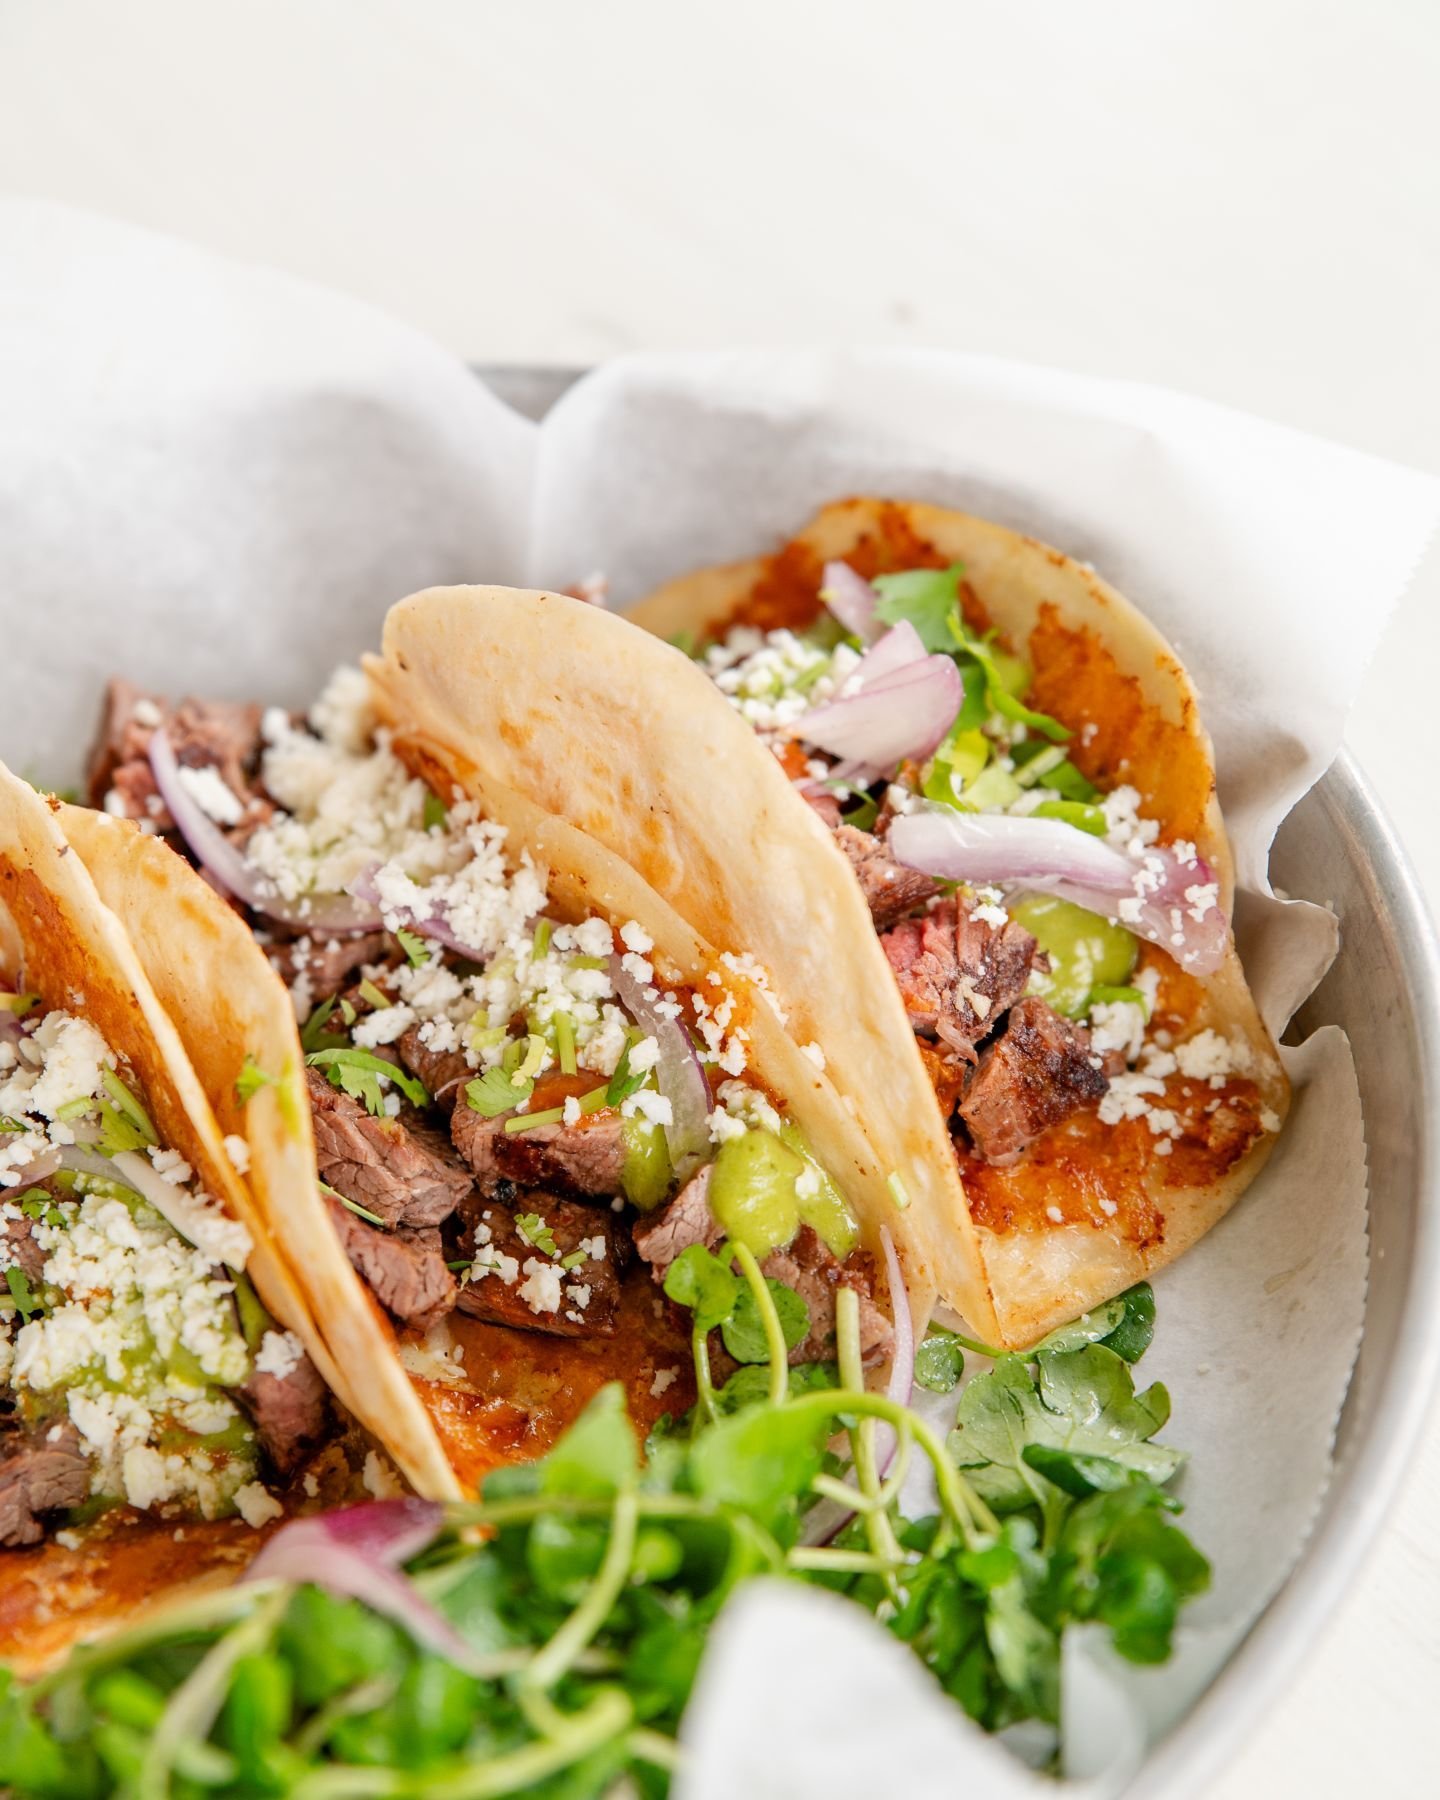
{"x": 215, "y": 480}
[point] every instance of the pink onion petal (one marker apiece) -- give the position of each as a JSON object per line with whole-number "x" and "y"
{"x": 1171, "y": 901}
{"x": 355, "y": 1552}
{"x": 897, "y": 649}
{"x": 852, "y": 600}
{"x": 678, "y": 1074}
{"x": 904, "y": 711}
{"x": 427, "y": 925}
{"x": 213, "y": 850}
{"x": 44, "y": 1163}
{"x": 824, "y": 1523}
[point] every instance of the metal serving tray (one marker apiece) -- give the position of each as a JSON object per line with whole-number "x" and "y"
{"x": 1338, "y": 847}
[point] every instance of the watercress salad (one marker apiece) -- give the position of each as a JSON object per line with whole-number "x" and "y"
{"x": 545, "y": 1639}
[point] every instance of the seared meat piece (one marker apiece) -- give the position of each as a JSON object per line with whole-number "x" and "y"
{"x": 327, "y": 963}
{"x": 403, "y": 1171}
{"x": 526, "y": 1285}
{"x": 223, "y": 735}
{"x": 585, "y": 1158}
{"x": 289, "y": 1411}
{"x": 687, "y": 1219}
{"x": 1038, "y": 1072}
{"x": 404, "y": 1269}
{"x": 18, "y": 1250}
{"x": 41, "y": 1471}
{"x": 958, "y": 974}
{"x": 444, "y": 1072}
{"x": 890, "y": 889}
{"x": 808, "y": 1266}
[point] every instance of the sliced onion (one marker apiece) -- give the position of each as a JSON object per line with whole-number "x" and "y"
{"x": 355, "y": 1552}
{"x": 852, "y": 600}
{"x": 678, "y": 1073}
{"x": 427, "y": 925}
{"x": 329, "y": 913}
{"x": 46, "y": 1163}
{"x": 898, "y": 703}
{"x": 1054, "y": 858}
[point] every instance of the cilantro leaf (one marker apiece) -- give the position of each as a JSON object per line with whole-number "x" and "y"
{"x": 358, "y": 1073}
{"x": 434, "y": 816}
{"x": 128, "y": 1106}
{"x": 700, "y": 1282}
{"x": 313, "y": 1035}
{"x": 416, "y": 952}
{"x": 924, "y": 597}
{"x": 495, "y": 1092}
{"x": 26, "y": 1303}
{"x": 251, "y": 1079}
{"x": 117, "y": 1132}
{"x": 624, "y": 1082}
{"x": 939, "y": 1361}
{"x": 744, "y": 1330}
{"x": 1131, "y": 1337}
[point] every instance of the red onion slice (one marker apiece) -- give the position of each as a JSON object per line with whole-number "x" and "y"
{"x": 678, "y": 1074}
{"x": 898, "y": 703}
{"x": 852, "y": 601}
{"x": 355, "y": 1552}
{"x": 1171, "y": 903}
{"x": 329, "y": 913}
{"x": 427, "y": 925}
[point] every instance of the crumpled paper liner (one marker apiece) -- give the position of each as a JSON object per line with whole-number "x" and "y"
{"x": 214, "y": 479}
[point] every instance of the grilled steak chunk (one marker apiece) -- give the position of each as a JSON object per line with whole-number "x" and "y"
{"x": 404, "y": 1269}
{"x": 41, "y": 1471}
{"x": 223, "y": 735}
{"x": 444, "y": 1072}
{"x": 822, "y": 801}
{"x": 958, "y": 974}
{"x": 890, "y": 889}
{"x": 585, "y": 1158}
{"x": 326, "y": 963}
{"x": 1038, "y": 1072}
{"x": 18, "y": 1250}
{"x": 808, "y": 1266}
{"x": 289, "y": 1411}
{"x": 526, "y": 1285}
{"x": 686, "y": 1220}
{"x": 402, "y": 1170}
{"x": 121, "y": 739}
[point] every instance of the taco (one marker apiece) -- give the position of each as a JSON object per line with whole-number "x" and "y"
{"x": 162, "y": 1384}
{"x": 954, "y": 794}
{"x": 517, "y": 1086}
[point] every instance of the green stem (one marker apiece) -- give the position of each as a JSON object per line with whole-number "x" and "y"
{"x": 704, "y": 1386}
{"x": 366, "y": 1696}
{"x": 194, "y": 1706}
{"x": 822, "y": 1560}
{"x": 770, "y": 1319}
{"x": 655, "y": 1748}
{"x": 862, "y": 1435}
{"x": 594, "y": 1609}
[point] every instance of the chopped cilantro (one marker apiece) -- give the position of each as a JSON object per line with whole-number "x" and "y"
{"x": 625, "y": 1081}
{"x": 18, "y": 1282}
{"x": 495, "y": 1092}
{"x": 19, "y": 1004}
{"x": 251, "y": 1079}
{"x": 926, "y": 598}
{"x": 377, "y": 997}
{"x": 574, "y": 1260}
{"x": 354, "y": 1205}
{"x": 434, "y": 816}
{"x": 359, "y": 1073}
{"x": 416, "y": 952}
{"x": 537, "y": 1233}
{"x": 552, "y": 1115}
{"x": 117, "y": 1132}
{"x": 314, "y": 1036}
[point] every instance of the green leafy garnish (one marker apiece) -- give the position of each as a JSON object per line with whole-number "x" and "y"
{"x": 540, "y": 943}
{"x": 377, "y": 997}
{"x": 251, "y": 1079}
{"x": 26, "y": 1303}
{"x": 700, "y": 1282}
{"x": 1073, "y": 812}
{"x": 744, "y": 1330}
{"x": 128, "y": 1106}
{"x": 939, "y": 1361}
{"x": 926, "y": 598}
{"x": 625, "y": 1082}
{"x": 495, "y": 1092}
{"x": 313, "y": 1035}
{"x": 417, "y": 953}
{"x": 434, "y": 816}
{"x": 358, "y": 1073}
{"x": 19, "y": 1004}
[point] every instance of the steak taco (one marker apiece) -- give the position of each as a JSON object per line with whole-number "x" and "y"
{"x": 158, "y": 1399}
{"x": 954, "y": 795}
{"x": 515, "y": 1089}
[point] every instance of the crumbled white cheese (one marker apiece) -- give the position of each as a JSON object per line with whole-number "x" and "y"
{"x": 207, "y": 787}
{"x": 647, "y": 1104}
{"x": 663, "y": 1381}
{"x": 279, "y": 1353}
{"x": 635, "y": 937}
{"x": 815, "y": 1054}
{"x": 541, "y": 1288}
{"x": 380, "y": 1477}
{"x": 238, "y": 1151}
{"x": 256, "y": 1505}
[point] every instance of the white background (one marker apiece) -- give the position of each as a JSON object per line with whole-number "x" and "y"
{"x": 1236, "y": 197}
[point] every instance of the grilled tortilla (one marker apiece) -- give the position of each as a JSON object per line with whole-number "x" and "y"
{"x": 541, "y": 691}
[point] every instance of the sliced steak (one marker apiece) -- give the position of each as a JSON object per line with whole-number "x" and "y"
{"x": 223, "y": 735}
{"x": 890, "y": 889}
{"x": 808, "y": 1266}
{"x": 402, "y": 1170}
{"x": 822, "y": 801}
{"x": 1039, "y": 1071}
{"x": 514, "y": 1279}
{"x": 121, "y": 738}
{"x": 326, "y": 964}
{"x": 18, "y": 1250}
{"x": 687, "y": 1219}
{"x": 404, "y": 1269}
{"x": 958, "y": 974}
{"x": 289, "y": 1411}
{"x": 585, "y": 1158}
{"x": 41, "y": 1471}
{"x": 444, "y": 1072}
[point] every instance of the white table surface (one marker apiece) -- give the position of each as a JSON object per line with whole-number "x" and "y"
{"x": 1236, "y": 197}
